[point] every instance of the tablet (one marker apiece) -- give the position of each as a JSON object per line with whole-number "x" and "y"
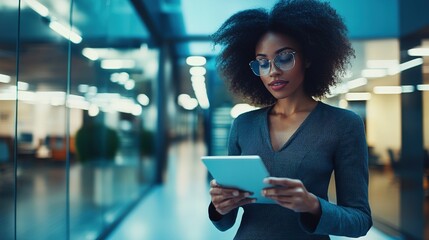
{"x": 242, "y": 172}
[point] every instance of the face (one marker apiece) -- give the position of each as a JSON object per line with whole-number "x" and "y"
{"x": 285, "y": 77}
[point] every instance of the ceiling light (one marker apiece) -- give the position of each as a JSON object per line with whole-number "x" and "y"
{"x": 404, "y": 66}
{"x": 198, "y": 78}
{"x": 130, "y": 84}
{"x": 423, "y": 87}
{"x": 187, "y": 102}
{"x": 4, "y": 78}
{"x": 374, "y": 73}
{"x": 359, "y": 82}
{"x": 393, "y": 89}
{"x": 197, "y": 71}
{"x": 93, "y": 110}
{"x": 117, "y": 64}
{"x": 38, "y": 7}
{"x": 90, "y": 53}
{"x": 407, "y": 89}
{"x": 143, "y": 99}
{"x": 23, "y": 86}
{"x": 418, "y": 52}
{"x": 66, "y": 32}
{"x": 387, "y": 90}
{"x": 382, "y": 63}
{"x": 196, "y": 61}
{"x": 83, "y": 88}
{"x": 358, "y": 96}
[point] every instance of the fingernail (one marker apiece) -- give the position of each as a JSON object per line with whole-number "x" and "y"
{"x": 266, "y": 180}
{"x": 253, "y": 200}
{"x": 235, "y": 193}
{"x": 246, "y": 194}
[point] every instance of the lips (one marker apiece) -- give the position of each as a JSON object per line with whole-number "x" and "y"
{"x": 278, "y": 84}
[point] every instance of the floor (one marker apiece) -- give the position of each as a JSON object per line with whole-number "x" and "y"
{"x": 177, "y": 209}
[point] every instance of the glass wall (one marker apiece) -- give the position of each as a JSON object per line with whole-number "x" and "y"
{"x": 8, "y": 104}
{"x": 77, "y": 116}
{"x": 425, "y": 88}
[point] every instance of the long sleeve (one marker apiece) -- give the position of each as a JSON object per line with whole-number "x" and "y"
{"x": 225, "y": 222}
{"x": 351, "y": 215}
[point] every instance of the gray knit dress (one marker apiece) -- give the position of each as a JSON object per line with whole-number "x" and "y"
{"x": 329, "y": 140}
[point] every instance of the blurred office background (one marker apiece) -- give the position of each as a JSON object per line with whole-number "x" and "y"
{"x": 103, "y": 115}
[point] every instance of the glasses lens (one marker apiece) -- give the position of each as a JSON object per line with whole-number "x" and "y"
{"x": 260, "y": 67}
{"x": 285, "y": 61}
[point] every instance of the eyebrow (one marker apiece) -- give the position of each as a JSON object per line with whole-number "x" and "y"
{"x": 277, "y": 52}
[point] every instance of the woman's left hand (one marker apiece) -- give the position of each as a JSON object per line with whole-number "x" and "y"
{"x": 292, "y": 194}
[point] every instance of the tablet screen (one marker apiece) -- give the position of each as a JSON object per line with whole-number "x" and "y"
{"x": 242, "y": 172}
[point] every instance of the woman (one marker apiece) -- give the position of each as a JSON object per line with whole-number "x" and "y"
{"x": 296, "y": 53}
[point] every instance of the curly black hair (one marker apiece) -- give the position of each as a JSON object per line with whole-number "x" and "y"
{"x": 315, "y": 25}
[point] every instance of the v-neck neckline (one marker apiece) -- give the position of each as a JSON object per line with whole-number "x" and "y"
{"x": 267, "y": 127}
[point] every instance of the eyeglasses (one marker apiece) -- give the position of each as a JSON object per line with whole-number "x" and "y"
{"x": 284, "y": 61}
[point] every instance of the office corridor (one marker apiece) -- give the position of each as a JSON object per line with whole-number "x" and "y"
{"x": 177, "y": 209}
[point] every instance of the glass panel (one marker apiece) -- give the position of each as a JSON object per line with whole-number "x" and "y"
{"x": 364, "y": 92}
{"x": 8, "y": 42}
{"x": 425, "y": 89}
{"x": 112, "y": 114}
{"x": 42, "y": 124}
{"x": 74, "y": 115}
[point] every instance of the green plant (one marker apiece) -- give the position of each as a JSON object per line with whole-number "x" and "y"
{"x": 96, "y": 141}
{"x": 147, "y": 146}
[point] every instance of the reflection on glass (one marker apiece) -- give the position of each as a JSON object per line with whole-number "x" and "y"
{"x": 8, "y": 83}
{"x": 84, "y": 147}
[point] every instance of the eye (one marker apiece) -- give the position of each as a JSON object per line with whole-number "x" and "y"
{"x": 263, "y": 63}
{"x": 285, "y": 57}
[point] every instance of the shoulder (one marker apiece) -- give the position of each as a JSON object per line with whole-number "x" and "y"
{"x": 253, "y": 115}
{"x": 339, "y": 117}
{"x": 339, "y": 113}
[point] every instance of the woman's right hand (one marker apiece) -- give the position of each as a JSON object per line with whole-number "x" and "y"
{"x": 227, "y": 199}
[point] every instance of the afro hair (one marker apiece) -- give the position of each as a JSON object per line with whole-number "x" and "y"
{"x": 315, "y": 25}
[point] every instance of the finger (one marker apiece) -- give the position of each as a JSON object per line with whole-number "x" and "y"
{"x": 229, "y": 204}
{"x": 213, "y": 183}
{"x": 228, "y": 193}
{"x": 287, "y": 182}
{"x": 246, "y": 201}
{"x": 224, "y": 191}
{"x": 271, "y": 191}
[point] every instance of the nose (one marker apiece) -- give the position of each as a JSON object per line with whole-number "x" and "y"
{"x": 274, "y": 70}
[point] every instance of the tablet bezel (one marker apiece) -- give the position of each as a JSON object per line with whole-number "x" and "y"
{"x": 244, "y": 172}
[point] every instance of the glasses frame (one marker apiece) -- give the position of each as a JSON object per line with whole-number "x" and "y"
{"x": 273, "y": 60}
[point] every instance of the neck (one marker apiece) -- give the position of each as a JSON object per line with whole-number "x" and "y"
{"x": 289, "y": 107}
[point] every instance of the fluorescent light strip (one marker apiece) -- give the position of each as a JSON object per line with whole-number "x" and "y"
{"x": 4, "y": 78}
{"x": 404, "y": 66}
{"x": 387, "y": 90}
{"x": 423, "y": 87}
{"x": 197, "y": 71}
{"x": 23, "y": 86}
{"x": 407, "y": 88}
{"x": 394, "y": 89}
{"x": 90, "y": 53}
{"x": 65, "y": 32}
{"x": 418, "y": 52}
{"x": 117, "y": 64}
{"x": 382, "y": 63}
{"x": 196, "y": 61}
{"x": 38, "y": 7}
{"x": 358, "y": 96}
{"x": 359, "y": 82}
{"x": 374, "y": 73}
